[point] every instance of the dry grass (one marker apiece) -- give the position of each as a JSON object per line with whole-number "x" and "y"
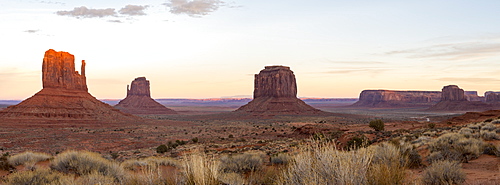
{"x": 39, "y": 177}
{"x": 198, "y": 169}
{"x": 388, "y": 165}
{"x": 85, "y": 163}
{"x": 324, "y": 164}
{"x": 443, "y": 173}
{"x": 454, "y": 146}
{"x": 28, "y": 158}
{"x": 241, "y": 163}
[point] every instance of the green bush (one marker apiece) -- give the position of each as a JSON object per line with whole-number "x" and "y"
{"x": 357, "y": 142}
{"x": 4, "y": 164}
{"x": 162, "y": 149}
{"x": 443, "y": 173}
{"x": 431, "y": 125}
{"x": 377, "y": 125}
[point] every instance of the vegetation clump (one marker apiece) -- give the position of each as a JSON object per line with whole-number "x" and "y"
{"x": 443, "y": 173}
{"x": 377, "y": 125}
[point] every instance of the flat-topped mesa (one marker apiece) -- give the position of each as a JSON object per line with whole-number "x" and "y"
{"x": 275, "y": 81}
{"x": 453, "y": 93}
{"x": 391, "y": 98}
{"x": 58, "y": 71}
{"x": 492, "y": 96}
{"x": 275, "y": 92}
{"x": 139, "y": 87}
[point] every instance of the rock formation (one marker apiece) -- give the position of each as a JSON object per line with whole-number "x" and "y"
{"x": 389, "y": 98}
{"x": 64, "y": 96}
{"x": 275, "y": 92}
{"x": 454, "y": 99}
{"x": 139, "y": 101}
{"x": 492, "y": 97}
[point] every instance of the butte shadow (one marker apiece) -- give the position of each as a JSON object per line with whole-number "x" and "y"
{"x": 64, "y": 96}
{"x": 139, "y": 101}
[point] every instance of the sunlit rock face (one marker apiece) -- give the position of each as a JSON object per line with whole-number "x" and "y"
{"x": 275, "y": 92}
{"x": 64, "y": 96}
{"x": 453, "y": 93}
{"x": 139, "y": 101}
{"x": 58, "y": 71}
{"x": 454, "y": 98}
{"x": 390, "y": 98}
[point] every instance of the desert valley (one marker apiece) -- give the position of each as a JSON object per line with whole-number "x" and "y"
{"x": 64, "y": 135}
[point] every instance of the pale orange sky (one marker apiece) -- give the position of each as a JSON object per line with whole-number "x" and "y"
{"x": 335, "y": 48}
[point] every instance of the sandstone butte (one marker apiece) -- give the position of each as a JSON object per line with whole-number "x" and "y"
{"x": 455, "y": 99}
{"x": 139, "y": 101}
{"x": 64, "y": 96}
{"x": 275, "y": 92}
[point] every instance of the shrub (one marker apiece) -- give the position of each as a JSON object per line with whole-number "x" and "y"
{"x": 162, "y": 149}
{"x": 4, "y": 164}
{"x": 95, "y": 178}
{"x": 241, "y": 163}
{"x": 443, "y": 172}
{"x": 84, "y": 163}
{"x": 198, "y": 170}
{"x": 388, "y": 165}
{"x": 489, "y": 135}
{"x": 489, "y": 127}
{"x": 280, "y": 159}
{"x": 454, "y": 146}
{"x": 431, "y": 125}
{"x": 134, "y": 164}
{"x": 195, "y": 140}
{"x": 357, "y": 142}
{"x": 377, "y": 125}
{"x": 324, "y": 164}
{"x": 491, "y": 149}
{"x": 39, "y": 177}
{"x": 28, "y": 157}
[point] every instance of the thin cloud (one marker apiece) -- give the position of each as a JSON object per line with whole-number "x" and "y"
{"x": 360, "y": 70}
{"x": 474, "y": 80}
{"x": 194, "y": 8}
{"x": 454, "y": 51}
{"x": 52, "y": 2}
{"x": 84, "y": 12}
{"x": 133, "y": 10}
{"x": 32, "y": 31}
{"x": 357, "y": 62}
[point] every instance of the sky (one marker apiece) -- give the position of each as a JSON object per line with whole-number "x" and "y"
{"x": 213, "y": 48}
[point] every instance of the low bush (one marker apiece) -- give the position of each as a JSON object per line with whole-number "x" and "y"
{"x": 134, "y": 164}
{"x": 84, "y": 163}
{"x": 241, "y": 163}
{"x": 95, "y": 178}
{"x": 280, "y": 159}
{"x": 491, "y": 149}
{"x": 489, "y": 135}
{"x": 4, "y": 164}
{"x": 443, "y": 173}
{"x": 39, "y": 177}
{"x": 454, "y": 146}
{"x": 28, "y": 157}
{"x": 357, "y": 142}
{"x": 377, "y": 125}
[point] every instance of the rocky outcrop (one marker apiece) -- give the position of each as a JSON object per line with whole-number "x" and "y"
{"x": 453, "y": 98}
{"x": 139, "y": 101}
{"x": 64, "y": 96}
{"x": 389, "y": 98}
{"x": 492, "y": 97}
{"x": 58, "y": 71}
{"x": 275, "y": 92}
{"x": 453, "y": 93}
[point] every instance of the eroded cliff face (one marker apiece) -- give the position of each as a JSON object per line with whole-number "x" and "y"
{"x": 58, "y": 71}
{"x": 492, "y": 96}
{"x": 275, "y": 81}
{"x": 139, "y": 101}
{"x": 453, "y": 93}
{"x": 139, "y": 87}
{"x": 64, "y": 96}
{"x": 275, "y": 92}
{"x": 389, "y": 98}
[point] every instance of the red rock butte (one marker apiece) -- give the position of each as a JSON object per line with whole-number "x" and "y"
{"x": 454, "y": 98}
{"x": 139, "y": 101}
{"x": 64, "y": 96}
{"x": 275, "y": 92}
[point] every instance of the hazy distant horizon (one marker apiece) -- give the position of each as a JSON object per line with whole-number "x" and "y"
{"x": 205, "y": 49}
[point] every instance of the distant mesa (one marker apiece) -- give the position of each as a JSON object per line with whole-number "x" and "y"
{"x": 423, "y": 99}
{"x": 454, "y": 99}
{"x": 139, "y": 101}
{"x": 390, "y": 98}
{"x": 275, "y": 92}
{"x": 64, "y": 95}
